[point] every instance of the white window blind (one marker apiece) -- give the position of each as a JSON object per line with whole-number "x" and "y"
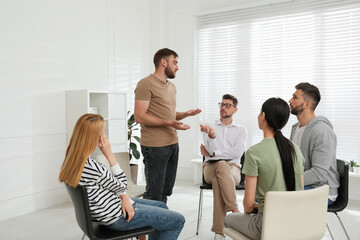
{"x": 262, "y": 52}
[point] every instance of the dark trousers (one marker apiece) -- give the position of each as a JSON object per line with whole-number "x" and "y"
{"x": 160, "y": 171}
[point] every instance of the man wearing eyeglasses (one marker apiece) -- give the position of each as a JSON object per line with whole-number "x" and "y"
{"x": 224, "y": 144}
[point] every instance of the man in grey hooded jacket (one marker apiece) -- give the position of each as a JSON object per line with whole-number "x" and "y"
{"x": 317, "y": 140}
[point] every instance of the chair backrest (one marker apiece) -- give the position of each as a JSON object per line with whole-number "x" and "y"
{"x": 79, "y": 198}
{"x": 299, "y": 214}
{"x": 343, "y": 190}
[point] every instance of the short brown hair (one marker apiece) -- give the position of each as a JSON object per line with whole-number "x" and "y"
{"x": 311, "y": 93}
{"x": 231, "y": 97}
{"x": 163, "y": 53}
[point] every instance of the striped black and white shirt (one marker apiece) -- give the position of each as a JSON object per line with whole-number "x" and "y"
{"x": 103, "y": 189}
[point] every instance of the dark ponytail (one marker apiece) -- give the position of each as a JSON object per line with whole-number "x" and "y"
{"x": 277, "y": 114}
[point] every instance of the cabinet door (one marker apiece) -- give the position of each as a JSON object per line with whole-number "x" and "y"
{"x": 117, "y": 134}
{"x": 118, "y": 148}
{"x": 117, "y": 105}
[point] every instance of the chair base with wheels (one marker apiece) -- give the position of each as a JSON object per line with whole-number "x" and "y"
{"x": 93, "y": 230}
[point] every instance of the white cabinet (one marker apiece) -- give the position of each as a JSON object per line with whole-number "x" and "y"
{"x": 110, "y": 105}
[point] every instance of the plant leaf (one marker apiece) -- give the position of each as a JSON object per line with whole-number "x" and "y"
{"x": 132, "y": 118}
{"x": 131, "y": 121}
{"x": 136, "y": 154}
{"x": 133, "y": 146}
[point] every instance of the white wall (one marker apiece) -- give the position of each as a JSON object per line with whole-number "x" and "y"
{"x": 48, "y": 47}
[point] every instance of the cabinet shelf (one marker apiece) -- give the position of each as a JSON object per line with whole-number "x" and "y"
{"x": 110, "y": 105}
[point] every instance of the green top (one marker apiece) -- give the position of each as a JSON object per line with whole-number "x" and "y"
{"x": 263, "y": 160}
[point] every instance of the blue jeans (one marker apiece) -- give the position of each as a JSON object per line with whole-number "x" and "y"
{"x": 308, "y": 187}
{"x": 167, "y": 224}
{"x": 160, "y": 171}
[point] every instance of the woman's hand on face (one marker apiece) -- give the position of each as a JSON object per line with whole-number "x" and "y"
{"x": 127, "y": 208}
{"x": 105, "y": 147}
{"x": 104, "y": 144}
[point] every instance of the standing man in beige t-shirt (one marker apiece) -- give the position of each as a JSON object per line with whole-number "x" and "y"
{"x": 155, "y": 110}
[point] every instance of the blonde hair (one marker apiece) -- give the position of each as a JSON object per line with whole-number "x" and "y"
{"x": 83, "y": 142}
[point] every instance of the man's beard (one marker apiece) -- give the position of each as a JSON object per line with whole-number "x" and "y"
{"x": 169, "y": 73}
{"x": 225, "y": 116}
{"x": 299, "y": 109}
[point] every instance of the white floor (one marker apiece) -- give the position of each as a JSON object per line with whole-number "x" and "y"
{"x": 59, "y": 222}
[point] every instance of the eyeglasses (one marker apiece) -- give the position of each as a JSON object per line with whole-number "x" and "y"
{"x": 226, "y": 105}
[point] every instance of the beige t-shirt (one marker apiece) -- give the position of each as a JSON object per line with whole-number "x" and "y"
{"x": 162, "y": 104}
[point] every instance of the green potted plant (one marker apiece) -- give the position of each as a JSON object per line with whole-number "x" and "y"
{"x": 133, "y": 148}
{"x": 353, "y": 164}
{"x": 355, "y": 167}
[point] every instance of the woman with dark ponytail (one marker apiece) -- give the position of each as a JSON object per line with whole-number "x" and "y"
{"x": 274, "y": 164}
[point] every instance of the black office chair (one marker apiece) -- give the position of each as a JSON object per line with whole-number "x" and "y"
{"x": 241, "y": 185}
{"x": 205, "y": 185}
{"x": 343, "y": 193}
{"x": 93, "y": 230}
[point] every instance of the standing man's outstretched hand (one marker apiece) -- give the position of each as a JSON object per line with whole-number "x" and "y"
{"x": 193, "y": 112}
{"x": 188, "y": 113}
{"x": 179, "y": 125}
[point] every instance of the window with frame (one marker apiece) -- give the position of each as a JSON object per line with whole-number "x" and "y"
{"x": 262, "y": 52}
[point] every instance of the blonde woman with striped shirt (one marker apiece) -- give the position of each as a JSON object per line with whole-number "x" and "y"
{"x": 109, "y": 204}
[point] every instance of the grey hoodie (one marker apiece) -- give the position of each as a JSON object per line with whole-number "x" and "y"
{"x": 318, "y": 145}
